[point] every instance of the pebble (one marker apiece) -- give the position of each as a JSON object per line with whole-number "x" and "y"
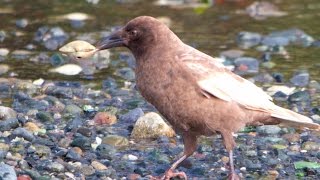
{"x": 246, "y": 65}
{"x": 9, "y": 124}
{"x": 106, "y": 118}
{"x": 22, "y": 23}
{"x": 7, "y": 172}
{"x": 311, "y": 146}
{"x": 115, "y": 140}
{"x": 22, "y": 132}
{"x": 98, "y": 166}
{"x": 300, "y": 79}
{"x": 247, "y": 40}
{"x": 151, "y": 125}
{"x": 106, "y": 151}
{"x": 67, "y": 69}
{"x": 268, "y": 129}
{"x": 132, "y": 116}
{"x": 7, "y": 113}
{"x": 45, "y": 117}
{"x": 232, "y": 54}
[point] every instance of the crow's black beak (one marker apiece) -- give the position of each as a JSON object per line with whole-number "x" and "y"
{"x": 113, "y": 40}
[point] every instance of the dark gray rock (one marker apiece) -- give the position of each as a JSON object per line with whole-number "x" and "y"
{"x": 22, "y": 132}
{"x": 59, "y": 92}
{"x": 7, "y": 172}
{"x": 300, "y": 96}
{"x": 8, "y": 124}
{"x": 81, "y": 142}
{"x": 132, "y": 116}
{"x": 45, "y": 117}
{"x": 295, "y": 36}
{"x": 106, "y": 151}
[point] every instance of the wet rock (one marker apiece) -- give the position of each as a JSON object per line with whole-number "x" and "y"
{"x": 247, "y": 40}
{"x": 7, "y": 113}
{"x": 73, "y": 155}
{"x": 260, "y": 10}
{"x": 22, "y": 23}
{"x": 115, "y": 140}
{"x": 268, "y": 129}
{"x": 275, "y": 41}
{"x": 22, "y": 132}
{"x": 300, "y": 96}
{"x": 59, "y": 92}
{"x": 74, "y": 124}
{"x": 81, "y": 142}
{"x": 85, "y": 131}
{"x": 7, "y": 172}
{"x": 45, "y": 117}
{"x": 295, "y": 36}
{"x": 300, "y": 79}
{"x": 106, "y": 151}
{"x": 246, "y": 65}
{"x": 263, "y": 78}
{"x": 51, "y": 38}
{"x": 151, "y": 125}
{"x": 232, "y": 54}
{"x": 106, "y": 118}
{"x": 57, "y": 59}
{"x": 8, "y": 124}
{"x": 132, "y": 116}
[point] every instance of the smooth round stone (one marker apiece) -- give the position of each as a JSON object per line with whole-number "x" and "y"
{"x": 151, "y": 125}
{"x": 105, "y": 118}
{"x": 268, "y": 129}
{"x": 42, "y": 150}
{"x": 98, "y": 166}
{"x": 115, "y": 140}
{"x": 309, "y": 145}
{"x": 81, "y": 142}
{"x": 4, "y": 51}
{"x": 87, "y": 170}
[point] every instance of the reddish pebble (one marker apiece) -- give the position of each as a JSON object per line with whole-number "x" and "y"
{"x": 134, "y": 176}
{"x": 104, "y": 118}
{"x": 24, "y": 177}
